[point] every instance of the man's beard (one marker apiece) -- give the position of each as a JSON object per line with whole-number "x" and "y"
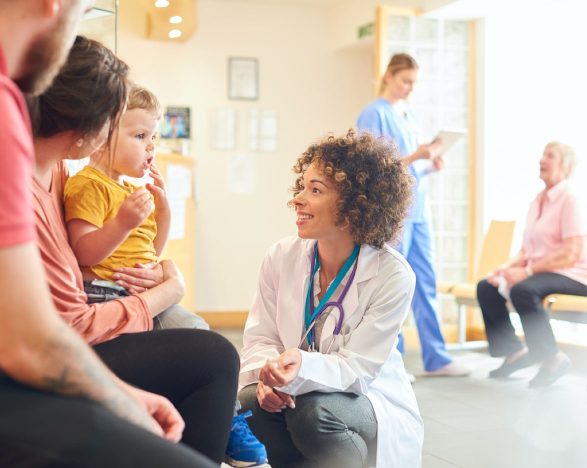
{"x": 45, "y": 57}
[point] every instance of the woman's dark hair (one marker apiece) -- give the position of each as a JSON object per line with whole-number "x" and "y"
{"x": 89, "y": 91}
{"x": 373, "y": 184}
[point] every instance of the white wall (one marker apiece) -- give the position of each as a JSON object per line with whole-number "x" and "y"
{"x": 313, "y": 88}
{"x": 535, "y": 91}
{"x": 532, "y": 89}
{"x": 533, "y": 84}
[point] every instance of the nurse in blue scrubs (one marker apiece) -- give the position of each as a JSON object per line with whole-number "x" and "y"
{"x": 389, "y": 116}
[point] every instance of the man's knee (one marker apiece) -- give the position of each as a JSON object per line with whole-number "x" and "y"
{"x": 59, "y": 429}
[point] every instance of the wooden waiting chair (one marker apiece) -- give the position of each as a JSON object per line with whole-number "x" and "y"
{"x": 495, "y": 250}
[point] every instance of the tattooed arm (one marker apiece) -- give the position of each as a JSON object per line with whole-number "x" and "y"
{"x": 38, "y": 349}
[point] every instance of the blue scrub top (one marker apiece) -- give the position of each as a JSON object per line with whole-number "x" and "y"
{"x": 381, "y": 118}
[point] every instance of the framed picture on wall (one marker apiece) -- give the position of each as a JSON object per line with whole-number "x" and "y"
{"x": 243, "y": 78}
{"x": 176, "y": 123}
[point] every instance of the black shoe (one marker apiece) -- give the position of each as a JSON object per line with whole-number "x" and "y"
{"x": 546, "y": 377}
{"x": 508, "y": 368}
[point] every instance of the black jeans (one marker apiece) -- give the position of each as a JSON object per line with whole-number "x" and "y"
{"x": 197, "y": 370}
{"x": 526, "y": 297}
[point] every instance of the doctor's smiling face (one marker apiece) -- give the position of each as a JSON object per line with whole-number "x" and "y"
{"x": 316, "y": 206}
{"x": 351, "y": 188}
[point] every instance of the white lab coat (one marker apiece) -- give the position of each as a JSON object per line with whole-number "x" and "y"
{"x": 364, "y": 358}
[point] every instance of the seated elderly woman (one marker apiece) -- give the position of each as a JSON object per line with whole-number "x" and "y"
{"x": 320, "y": 367}
{"x": 553, "y": 259}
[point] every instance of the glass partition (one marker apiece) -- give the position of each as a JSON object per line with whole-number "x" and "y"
{"x": 441, "y": 101}
{"x": 101, "y": 23}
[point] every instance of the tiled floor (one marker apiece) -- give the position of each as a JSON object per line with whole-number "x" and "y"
{"x": 476, "y": 422}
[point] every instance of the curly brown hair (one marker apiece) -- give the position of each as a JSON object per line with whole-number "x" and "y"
{"x": 374, "y": 186}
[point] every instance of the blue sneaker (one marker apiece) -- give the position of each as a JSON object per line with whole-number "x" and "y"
{"x": 244, "y": 449}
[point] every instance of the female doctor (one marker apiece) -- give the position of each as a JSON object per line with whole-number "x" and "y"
{"x": 324, "y": 381}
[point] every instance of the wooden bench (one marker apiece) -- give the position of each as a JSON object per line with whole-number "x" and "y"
{"x": 566, "y": 307}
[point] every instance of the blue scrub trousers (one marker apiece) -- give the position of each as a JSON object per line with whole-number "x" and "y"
{"x": 416, "y": 247}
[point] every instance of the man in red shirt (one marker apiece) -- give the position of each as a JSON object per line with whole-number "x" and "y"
{"x": 59, "y": 405}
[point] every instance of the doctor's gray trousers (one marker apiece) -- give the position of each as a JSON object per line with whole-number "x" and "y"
{"x": 324, "y": 430}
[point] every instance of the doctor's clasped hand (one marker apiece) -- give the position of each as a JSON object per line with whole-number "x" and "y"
{"x": 281, "y": 371}
{"x": 278, "y": 373}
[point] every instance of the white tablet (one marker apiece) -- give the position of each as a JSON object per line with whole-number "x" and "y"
{"x": 449, "y": 138}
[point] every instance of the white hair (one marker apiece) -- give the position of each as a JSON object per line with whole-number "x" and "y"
{"x": 568, "y": 154}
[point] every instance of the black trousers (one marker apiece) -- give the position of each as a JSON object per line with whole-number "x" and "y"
{"x": 526, "y": 297}
{"x": 197, "y": 370}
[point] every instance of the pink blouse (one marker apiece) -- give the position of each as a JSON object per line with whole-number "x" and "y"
{"x": 562, "y": 217}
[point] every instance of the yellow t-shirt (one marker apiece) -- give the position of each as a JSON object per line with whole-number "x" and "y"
{"x": 95, "y": 198}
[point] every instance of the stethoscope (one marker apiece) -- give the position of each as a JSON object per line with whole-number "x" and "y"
{"x": 313, "y": 315}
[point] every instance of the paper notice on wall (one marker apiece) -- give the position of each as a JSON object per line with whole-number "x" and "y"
{"x": 268, "y": 141}
{"x": 177, "y": 205}
{"x": 179, "y": 180}
{"x": 262, "y": 130}
{"x": 241, "y": 174}
{"x": 179, "y": 188}
{"x": 224, "y": 137}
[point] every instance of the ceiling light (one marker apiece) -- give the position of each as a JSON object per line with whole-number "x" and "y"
{"x": 175, "y": 19}
{"x": 174, "y": 33}
{"x": 161, "y": 3}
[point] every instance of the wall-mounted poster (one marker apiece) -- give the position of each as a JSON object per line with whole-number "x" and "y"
{"x": 176, "y": 123}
